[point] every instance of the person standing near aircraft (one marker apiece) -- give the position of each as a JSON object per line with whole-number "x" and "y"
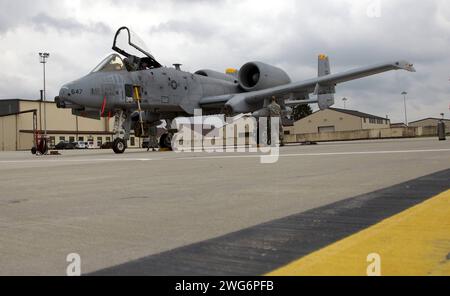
{"x": 275, "y": 111}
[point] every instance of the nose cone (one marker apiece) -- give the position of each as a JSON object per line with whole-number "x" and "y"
{"x": 63, "y": 92}
{"x": 62, "y": 99}
{"x": 79, "y": 94}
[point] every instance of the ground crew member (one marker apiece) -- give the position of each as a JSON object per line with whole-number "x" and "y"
{"x": 153, "y": 138}
{"x": 274, "y": 111}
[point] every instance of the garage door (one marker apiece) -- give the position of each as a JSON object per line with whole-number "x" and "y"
{"x": 326, "y": 129}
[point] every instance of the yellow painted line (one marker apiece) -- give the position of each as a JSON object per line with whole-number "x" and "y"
{"x": 164, "y": 150}
{"x": 414, "y": 242}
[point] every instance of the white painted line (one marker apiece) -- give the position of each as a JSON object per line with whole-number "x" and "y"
{"x": 200, "y": 157}
{"x": 315, "y": 154}
{"x": 76, "y": 160}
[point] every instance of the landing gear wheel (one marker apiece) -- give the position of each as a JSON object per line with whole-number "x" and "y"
{"x": 119, "y": 146}
{"x": 165, "y": 142}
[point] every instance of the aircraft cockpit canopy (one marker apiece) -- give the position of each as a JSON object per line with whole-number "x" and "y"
{"x": 110, "y": 64}
{"x": 137, "y": 57}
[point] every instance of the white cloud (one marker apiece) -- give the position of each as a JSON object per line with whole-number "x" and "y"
{"x": 227, "y": 33}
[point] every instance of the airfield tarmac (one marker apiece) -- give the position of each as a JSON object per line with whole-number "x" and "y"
{"x": 112, "y": 209}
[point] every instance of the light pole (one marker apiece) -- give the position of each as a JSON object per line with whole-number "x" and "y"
{"x": 443, "y": 116}
{"x": 43, "y": 59}
{"x": 345, "y": 102}
{"x": 404, "y": 102}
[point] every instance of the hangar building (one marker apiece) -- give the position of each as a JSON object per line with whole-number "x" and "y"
{"x": 16, "y": 127}
{"x": 430, "y": 122}
{"x": 337, "y": 120}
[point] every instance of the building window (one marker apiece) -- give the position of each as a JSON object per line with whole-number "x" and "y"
{"x": 287, "y": 133}
{"x": 71, "y": 139}
{"x": 62, "y": 138}
{"x": 108, "y": 139}
{"x": 99, "y": 141}
{"x": 365, "y": 120}
{"x": 81, "y": 139}
{"x": 132, "y": 141}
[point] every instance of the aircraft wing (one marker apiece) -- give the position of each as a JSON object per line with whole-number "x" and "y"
{"x": 320, "y": 86}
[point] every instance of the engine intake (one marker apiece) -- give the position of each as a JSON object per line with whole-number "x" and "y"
{"x": 255, "y": 76}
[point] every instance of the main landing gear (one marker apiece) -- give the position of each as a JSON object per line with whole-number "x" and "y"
{"x": 165, "y": 142}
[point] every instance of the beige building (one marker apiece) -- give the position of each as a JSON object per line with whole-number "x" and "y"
{"x": 16, "y": 125}
{"x": 431, "y": 123}
{"x": 337, "y": 120}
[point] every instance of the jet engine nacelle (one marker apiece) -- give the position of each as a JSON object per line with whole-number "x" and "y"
{"x": 255, "y": 76}
{"x": 216, "y": 75}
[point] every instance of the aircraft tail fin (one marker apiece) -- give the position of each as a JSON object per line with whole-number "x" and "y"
{"x": 325, "y": 95}
{"x": 324, "y": 65}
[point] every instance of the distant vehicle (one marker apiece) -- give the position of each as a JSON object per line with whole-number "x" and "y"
{"x": 89, "y": 145}
{"x": 107, "y": 145}
{"x": 64, "y": 145}
{"x": 80, "y": 145}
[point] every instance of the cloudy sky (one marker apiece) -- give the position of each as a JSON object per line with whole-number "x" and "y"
{"x": 218, "y": 34}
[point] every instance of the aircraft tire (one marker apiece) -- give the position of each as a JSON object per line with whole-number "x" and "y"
{"x": 165, "y": 141}
{"x": 119, "y": 146}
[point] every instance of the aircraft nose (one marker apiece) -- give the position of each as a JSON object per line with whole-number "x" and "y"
{"x": 80, "y": 94}
{"x": 63, "y": 92}
{"x": 60, "y": 100}
{"x": 64, "y": 99}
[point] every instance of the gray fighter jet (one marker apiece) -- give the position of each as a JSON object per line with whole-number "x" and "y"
{"x": 140, "y": 93}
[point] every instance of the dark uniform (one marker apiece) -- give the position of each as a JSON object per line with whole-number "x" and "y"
{"x": 153, "y": 138}
{"x": 275, "y": 111}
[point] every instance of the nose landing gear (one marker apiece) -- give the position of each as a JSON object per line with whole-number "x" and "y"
{"x": 119, "y": 146}
{"x": 122, "y": 127}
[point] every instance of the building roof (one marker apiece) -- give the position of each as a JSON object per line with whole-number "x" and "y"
{"x": 357, "y": 113}
{"x": 398, "y": 124}
{"x": 429, "y": 118}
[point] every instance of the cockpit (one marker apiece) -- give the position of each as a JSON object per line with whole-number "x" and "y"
{"x": 135, "y": 53}
{"x": 111, "y": 63}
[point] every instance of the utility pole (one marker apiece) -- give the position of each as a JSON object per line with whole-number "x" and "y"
{"x": 43, "y": 59}
{"x": 76, "y": 122}
{"x": 404, "y": 102}
{"x": 40, "y": 109}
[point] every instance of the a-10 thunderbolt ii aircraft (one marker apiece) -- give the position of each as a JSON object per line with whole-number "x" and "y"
{"x": 135, "y": 88}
